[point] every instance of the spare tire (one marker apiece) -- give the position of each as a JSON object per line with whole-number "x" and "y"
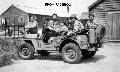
{"x": 101, "y": 31}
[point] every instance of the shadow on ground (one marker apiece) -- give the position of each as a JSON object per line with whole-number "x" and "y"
{"x": 50, "y": 57}
{"x": 96, "y": 58}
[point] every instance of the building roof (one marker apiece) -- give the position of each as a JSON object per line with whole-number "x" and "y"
{"x": 41, "y": 10}
{"x": 95, "y": 4}
{"x": 30, "y": 10}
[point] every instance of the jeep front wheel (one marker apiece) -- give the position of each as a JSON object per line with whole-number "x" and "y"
{"x": 71, "y": 53}
{"x": 25, "y": 51}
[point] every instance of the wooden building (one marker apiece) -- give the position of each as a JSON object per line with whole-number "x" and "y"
{"x": 107, "y": 12}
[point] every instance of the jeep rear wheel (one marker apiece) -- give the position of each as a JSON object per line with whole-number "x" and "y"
{"x": 25, "y": 51}
{"x": 71, "y": 53}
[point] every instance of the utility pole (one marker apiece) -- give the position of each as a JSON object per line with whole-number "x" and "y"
{"x": 68, "y": 9}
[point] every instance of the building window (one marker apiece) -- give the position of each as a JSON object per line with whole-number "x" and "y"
{"x": 3, "y": 21}
{"x": 7, "y": 20}
{"x": 20, "y": 18}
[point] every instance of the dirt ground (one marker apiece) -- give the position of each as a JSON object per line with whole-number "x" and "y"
{"x": 107, "y": 59}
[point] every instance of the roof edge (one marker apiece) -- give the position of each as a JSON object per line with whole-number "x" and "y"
{"x": 7, "y": 9}
{"x": 95, "y": 4}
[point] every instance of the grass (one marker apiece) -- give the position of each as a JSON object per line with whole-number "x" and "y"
{"x": 7, "y": 51}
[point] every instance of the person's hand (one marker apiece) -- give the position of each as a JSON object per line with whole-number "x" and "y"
{"x": 26, "y": 26}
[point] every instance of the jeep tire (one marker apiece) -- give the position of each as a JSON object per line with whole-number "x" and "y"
{"x": 71, "y": 53}
{"x": 25, "y": 51}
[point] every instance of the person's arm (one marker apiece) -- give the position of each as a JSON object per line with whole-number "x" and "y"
{"x": 76, "y": 27}
{"x": 32, "y": 24}
{"x": 95, "y": 25}
{"x": 28, "y": 25}
{"x": 64, "y": 28}
{"x": 57, "y": 29}
{"x": 87, "y": 24}
{"x": 81, "y": 25}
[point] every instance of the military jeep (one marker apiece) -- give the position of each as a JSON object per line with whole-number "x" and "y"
{"x": 72, "y": 47}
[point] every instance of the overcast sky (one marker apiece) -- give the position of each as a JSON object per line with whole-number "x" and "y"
{"x": 77, "y": 6}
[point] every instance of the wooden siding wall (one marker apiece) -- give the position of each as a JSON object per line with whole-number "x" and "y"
{"x": 17, "y": 13}
{"x": 101, "y": 14}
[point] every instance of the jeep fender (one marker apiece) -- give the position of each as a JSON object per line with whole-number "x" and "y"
{"x": 32, "y": 42}
{"x": 64, "y": 42}
{"x": 80, "y": 40}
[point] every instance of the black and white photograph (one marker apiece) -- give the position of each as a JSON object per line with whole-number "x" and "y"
{"x": 59, "y": 35}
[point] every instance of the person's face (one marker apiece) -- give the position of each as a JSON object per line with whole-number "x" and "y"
{"x": 61, "y": 24}
{"x": 91, "y": 17}
{"x": 10, "y": 28}
{"x": 73, "y": 19}
{"x": 32, "y": 19}
{"x": 54, "y": 16}
{"x": 69, "y": 20}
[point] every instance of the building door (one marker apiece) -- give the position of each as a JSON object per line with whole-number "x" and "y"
{"x": 115, "y": 26}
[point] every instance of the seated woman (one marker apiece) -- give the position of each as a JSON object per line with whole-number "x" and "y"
{"x": 54, "y": 29}
{"x": 60, "y": 29}
{"x": 32, "y": 27}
